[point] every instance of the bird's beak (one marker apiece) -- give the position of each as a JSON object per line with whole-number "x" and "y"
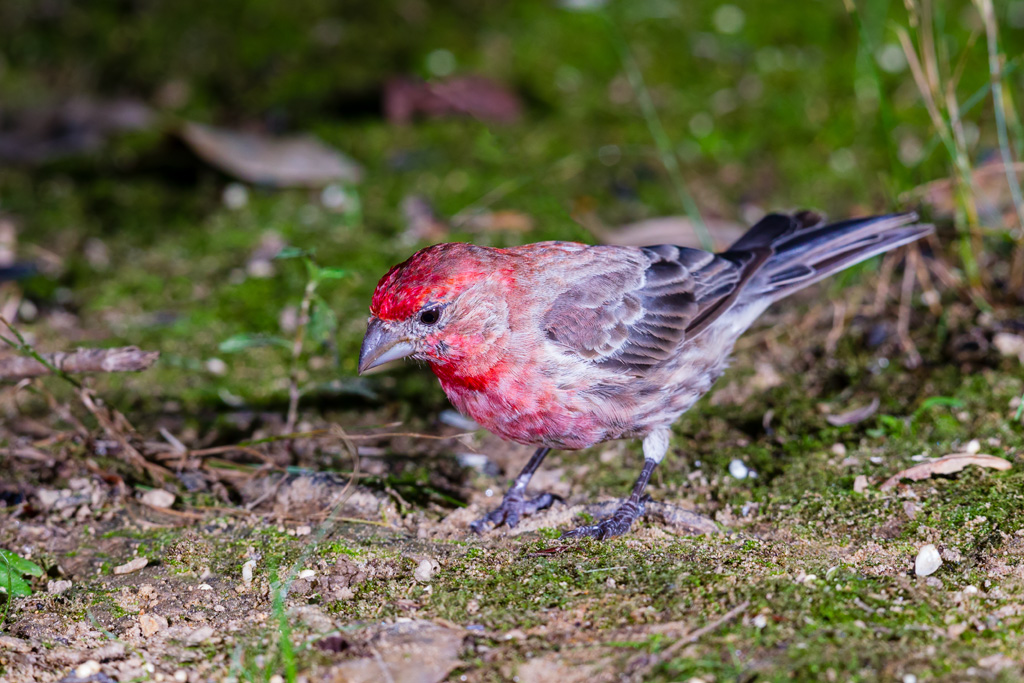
{"x": 382, "y": 345}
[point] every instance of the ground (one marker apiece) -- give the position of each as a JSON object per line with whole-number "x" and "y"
{"x": 336, "y": 547}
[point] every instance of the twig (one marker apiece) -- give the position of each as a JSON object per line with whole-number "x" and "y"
{"x": 115, "y": 424}
{"x": 929, "y": 294}
{"x": 294, "y": 393}
{"x": 701, "y": 632}
{"x": 122, "y": 359}
{"x": 884, "y": 279}
{"x": 838, "y": 325}
{"x": 903, "y": 321}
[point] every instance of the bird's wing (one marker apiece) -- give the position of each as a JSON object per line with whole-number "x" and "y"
{"x": 632, "y": 308}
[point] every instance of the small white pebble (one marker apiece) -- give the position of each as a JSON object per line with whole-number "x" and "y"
{"x": 215, "y": 366}
{"x": 277, "y": 678}
{"x": 304, "y": 530}
{"x": 235, "y": 196}
{"x": 307, "y": 574}
{"x": 738, "y": 470}
{"x": 860, "y": 484}
{"x": 181, "y": 676}
{"x": 425, "y": 570}
{"x": 205, "y": 587}
{"x": 970, "y": 590}
{"x": 928, "y": 560}
{"x": 87, "y": 669}
{"x": 973, "y": 446}
{"x": 875, "y": 460}
{"x": 158, "y": 498}
{"x": 247, "y": 571}
{"x": 839, "y": 450}
{"x": 760, "y": 621}
{"x": 909, "y": 678}
{"x": 218, "y": 608}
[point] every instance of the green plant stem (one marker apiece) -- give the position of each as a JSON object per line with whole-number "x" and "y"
{"x": 661, "y": 139}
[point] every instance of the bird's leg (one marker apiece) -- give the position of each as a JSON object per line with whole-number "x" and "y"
{"x": 515, "y": 504}
{"x": 655, "y": 447}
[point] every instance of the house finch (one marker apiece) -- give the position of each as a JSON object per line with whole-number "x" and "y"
{"x": 565, "y": 345}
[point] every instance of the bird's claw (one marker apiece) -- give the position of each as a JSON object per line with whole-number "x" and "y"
{"x": 513, "y": 507}
{"x": 616, "y": 525}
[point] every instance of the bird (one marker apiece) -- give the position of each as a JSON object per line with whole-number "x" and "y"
{"x": 563, "y": 345}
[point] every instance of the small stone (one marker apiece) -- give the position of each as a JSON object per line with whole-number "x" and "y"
{"x": 57, "y": 587}
{"x": 425, "y": 570}
{"x": 12, "y": 644}
{"x": 247, "y": 571}
{"x": 216, "y": 366}
{"x": 760, "y": 621}
{"x": 204, "y": 587}
{"x": 151, "y": 623}
{"x": 973, "y": 446}
{"x": 304, "y": 530}
{"x": 738, "y": 470}
{"x": 307, "y": 574}
{"x": 875, "y": 460}
{"x": 133, "y": 566}
{"x": 909, "y": 678}
{"x": 276, "y": 678}
{"x": 200, "y": 635}
{"x": 1009, "y": 344}
{"x": 928, "y": 561}
{"x": 87, "y": 669}
{"x": 970, "y": 590}
{"x": 839, "y": 450}
{"x": 235, "y": 196}
{"x": 860, "y": 484}
{"x": 158, "y": 498}
{"x": 610, "y": 582}
{"x": 181, "y": 676}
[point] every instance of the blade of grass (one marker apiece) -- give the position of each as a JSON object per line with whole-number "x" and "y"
{"x": 666, "y": 152}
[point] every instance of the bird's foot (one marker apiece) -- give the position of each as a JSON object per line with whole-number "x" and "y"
{"x": 513, "y": 507}
{"x": 616, "y": 525}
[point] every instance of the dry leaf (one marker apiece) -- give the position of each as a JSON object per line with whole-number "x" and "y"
{"x": 79, "y": 125}
{"x": 852, "y": 417}
{"x": 678, "y": 230}
{"x": 474, "y": 96}
{"x": 292, "y": 161}
{"x": 991, "y": 192}
{"x": 947, "y": 464}
{"x": 498, "y": 221}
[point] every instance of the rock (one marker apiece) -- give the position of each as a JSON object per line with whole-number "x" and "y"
{"x": 247, "y": 571}
{"x": 1009, "y": 344}
{"x": 158, "y": 498}
{"x": 12, "y": 644}
{"x": 151, "y": 624}
{"x": 58, "y": 587}
{"x": 200, "y": 635}
{"x": 426, "y": 569}
{"x": 738, "y": 470}
{"x": 860, "y": 484}
{"x": 409, "y": 652}
{"x": 928, "y": 561}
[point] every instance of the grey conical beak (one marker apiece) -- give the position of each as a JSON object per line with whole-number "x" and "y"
{"x": 382, "y": 345}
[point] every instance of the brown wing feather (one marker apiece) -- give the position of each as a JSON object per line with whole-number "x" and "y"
{"x": 641, "y": 304}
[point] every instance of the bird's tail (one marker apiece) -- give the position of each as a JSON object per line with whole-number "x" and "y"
{"x": 805, "y": 250}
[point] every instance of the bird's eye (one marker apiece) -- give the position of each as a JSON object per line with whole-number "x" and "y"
{"x": 430, "y": 316}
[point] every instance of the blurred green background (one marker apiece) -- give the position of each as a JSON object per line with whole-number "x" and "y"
{"x": 764, "y": 106}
